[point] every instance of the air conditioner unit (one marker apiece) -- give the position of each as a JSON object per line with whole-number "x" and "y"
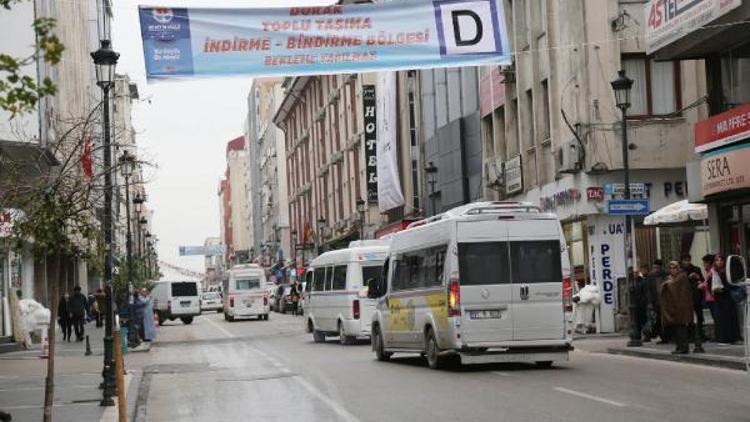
{"x": 493, "y": 173}
{"x": 569, "y": 158}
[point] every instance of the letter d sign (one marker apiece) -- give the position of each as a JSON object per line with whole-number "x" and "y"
{"x": 467, "y": 27}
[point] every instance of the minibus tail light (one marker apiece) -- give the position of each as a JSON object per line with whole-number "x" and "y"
{"x": 231, "y": 301}
{"x": 265, "y": 300}
{"x": 355, "y": 308}
{"x": 567, "y": 295}
{"x": 454, "y": 298}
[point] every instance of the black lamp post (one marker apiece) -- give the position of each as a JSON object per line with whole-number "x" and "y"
{"x": 294, "y": 251}
{"x": 622, "y": 86}
{"x": 147, "y": 248}
{"x": 138, "y": 206}
{"x": 321, "y": 233}
{"x": 127, "y": 166}
{"x": 431, "y": 171}
{"x": 105, "y": 61}
{"x": 361, "y": 207}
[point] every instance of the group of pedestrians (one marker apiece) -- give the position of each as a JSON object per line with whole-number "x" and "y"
{"x": 670, "y": 304}
{"x": 74, "y": 310}
{"x": 141, "y": 311}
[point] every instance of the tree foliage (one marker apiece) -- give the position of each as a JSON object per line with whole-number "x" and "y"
{"x": 19, "y": 93}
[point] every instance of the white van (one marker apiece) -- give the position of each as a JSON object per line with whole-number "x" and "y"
{"x": 246, "y": 293}
{"x": 336, "y": 302}
{"x": 485, "y": 282}
{"x": 176, "y": 299}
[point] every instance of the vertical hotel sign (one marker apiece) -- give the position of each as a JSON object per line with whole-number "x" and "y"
{"x": 371, "y": 141}
{"x": 669, "y": 20}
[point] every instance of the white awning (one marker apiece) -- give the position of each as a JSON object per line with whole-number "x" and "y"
{"x": 678, "y": 212}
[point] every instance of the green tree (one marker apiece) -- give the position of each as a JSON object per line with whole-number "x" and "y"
{"x": 19, "y": 93}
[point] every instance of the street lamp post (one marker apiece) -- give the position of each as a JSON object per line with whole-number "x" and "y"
{"x": 127, "y": 165}
{"x": 105, "y": 61}
{"x": 431, "y": 171}
{"x": 294, "y": 251}
{"x": 147, "y": 248}
{"x": 622, "y": 86}
{"x": 321, "y": 232}
{"x": 361, "y": 207}
{"x": 138, "y": 205}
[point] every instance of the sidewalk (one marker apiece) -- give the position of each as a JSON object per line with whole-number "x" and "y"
{"x": 77, "y": 379}
{"x": 725, "y": 356}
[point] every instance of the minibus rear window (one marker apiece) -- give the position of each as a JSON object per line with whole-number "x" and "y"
{"x": 536, "y": 262}
{"x": 184, "y": 289}
{"x": 246, "y": 283}
{"x": 374, "y": 272}
{"x": 483, "y": 263}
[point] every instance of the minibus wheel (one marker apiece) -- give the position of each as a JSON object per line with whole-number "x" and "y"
{"x": 319, "y": 337}
{"x": 343, "y": 338}
{"x": 378, "y": 346}
{"x": 432, "y": 352}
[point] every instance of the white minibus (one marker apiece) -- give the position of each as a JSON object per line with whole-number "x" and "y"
{"x": 336, "y": 302}
{"x": 484, "y": 282}
{"x": 176, "y": 299}
{"x": 246, "y": 293}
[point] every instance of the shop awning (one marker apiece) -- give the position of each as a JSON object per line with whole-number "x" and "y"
{"x": 678, "y": 212}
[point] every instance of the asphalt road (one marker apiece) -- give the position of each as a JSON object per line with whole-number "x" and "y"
{"x": 215, "y": 370}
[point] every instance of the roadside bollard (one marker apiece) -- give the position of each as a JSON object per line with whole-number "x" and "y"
{"x": 88, "y": 347}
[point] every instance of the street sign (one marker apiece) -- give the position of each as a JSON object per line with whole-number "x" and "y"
{"x": 628, "y": 207}
{"x": 638, "y": 189}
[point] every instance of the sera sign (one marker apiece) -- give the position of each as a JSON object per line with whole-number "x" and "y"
{"x": 723, "y": 129}
{"x": 724, "y": 171}
{"x": 669, "y": 20}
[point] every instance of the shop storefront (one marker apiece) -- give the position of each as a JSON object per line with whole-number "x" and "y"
{"x": 724, "y": 141}
{"x": 595, "y": 239}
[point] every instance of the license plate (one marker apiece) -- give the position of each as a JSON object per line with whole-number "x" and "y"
{"x": 185, "y": 303}
{"x": 248, "y": 302}
{"x": 485, "y": 314}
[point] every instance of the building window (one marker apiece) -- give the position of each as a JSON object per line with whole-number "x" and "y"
{"x": 545, "y": 129}
{"x": 656, "y": 87}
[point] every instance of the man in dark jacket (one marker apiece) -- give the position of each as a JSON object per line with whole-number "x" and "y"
{"x": 654, "y": 280}
{"x": 695, "y": 277}
{"x": 78, "y": 311}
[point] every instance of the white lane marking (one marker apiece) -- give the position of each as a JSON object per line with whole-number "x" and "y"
{"x": 590, "y": 397}
{"x": 335, "y": 406}
{"x": 502, "y": 374}
{"x": 218, "y": 327}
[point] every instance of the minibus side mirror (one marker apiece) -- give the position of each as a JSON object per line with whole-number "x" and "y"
{"x": 736, "y": 270}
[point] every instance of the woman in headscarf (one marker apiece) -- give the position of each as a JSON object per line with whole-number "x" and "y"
{"x": 676, "y": 302}
{"x": 149, "y": 327}
{"x": 726, "y": 325}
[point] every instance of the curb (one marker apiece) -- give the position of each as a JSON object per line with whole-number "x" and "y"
{"x": 698, "y": 359}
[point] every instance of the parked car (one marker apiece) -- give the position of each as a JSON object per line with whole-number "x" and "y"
{"x": 245, "y": 293}
{"x": 485, "y": 282}
{"x": 336, "y": 303}
{"x": 211, "y": 301}
{"x": 176, "y": 299}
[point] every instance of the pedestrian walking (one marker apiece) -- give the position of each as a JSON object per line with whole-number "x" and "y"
{"x": 149, "y": 325}
{"x": 695, "y": 276}
{"x": 705, "y": 286}
{"x": 640, "y": 296}
{"x": 676, "y": 302}
{"x": 78, "y": 311}
{"x": 726, "y": 324}
{"x": 585, "y": 303}
{"x": 91, "y": 307}
{"x": 64, "y": 317}
{"x": 100, "y": 306}
{"x": 654, "y": 280}
{"x": 294, "y": 295}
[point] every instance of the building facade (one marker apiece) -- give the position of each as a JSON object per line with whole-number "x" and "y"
{"x": 322, "y": 119}
{"x": 719, "y": 174}
{"x": 233, "y": 197}
{"x": 552, "y": 133}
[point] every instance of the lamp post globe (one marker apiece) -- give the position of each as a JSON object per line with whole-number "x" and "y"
{"x": 622, "y": 87}
{"x": 105, "y": 61}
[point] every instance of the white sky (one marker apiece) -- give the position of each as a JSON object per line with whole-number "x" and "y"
{"x": 184, "y": 129}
